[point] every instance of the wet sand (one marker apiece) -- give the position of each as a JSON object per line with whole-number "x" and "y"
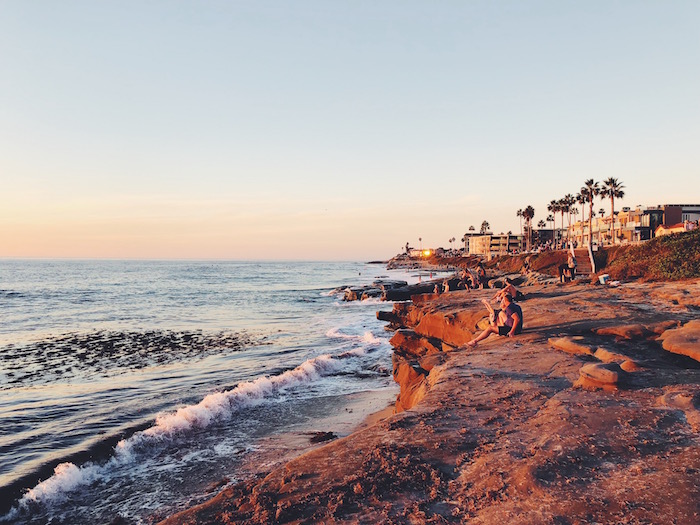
{"x": 591, "y": 415}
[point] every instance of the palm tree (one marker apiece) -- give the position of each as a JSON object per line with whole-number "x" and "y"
{"x": 485, "y": 227}
{"x": 562, "y": 207}
{"x": 550, "y": 219}
{"x": 420, "y": 240}
{"x": 528, "y": 213}
{"x": 519, "y": 214}
{"x": 582, "y": 199}
{"x": 553, "y": 208}
{"x": 590, "y": 190}
{"x": 569, "y": 201}
{"x": 541, "y": 225}
{"x": 612, "y": 188}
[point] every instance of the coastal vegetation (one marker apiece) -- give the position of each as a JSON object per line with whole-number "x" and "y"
{"x": 671, "y": 257}
{"x": 668, "y": 258}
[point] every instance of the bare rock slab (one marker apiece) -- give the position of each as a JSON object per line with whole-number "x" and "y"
{"x": 627, "y": 331}
{"x": 603, "y": 375}
{"x": 570, "y": 345}
{"x": 684, "y": 340}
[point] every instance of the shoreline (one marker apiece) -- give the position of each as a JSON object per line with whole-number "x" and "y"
{"x": 584, "y": 417}
{"x": 362, "y": 409}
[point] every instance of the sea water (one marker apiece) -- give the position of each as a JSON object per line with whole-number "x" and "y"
{"x": 128, "y": 387}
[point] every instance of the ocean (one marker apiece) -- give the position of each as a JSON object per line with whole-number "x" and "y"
{"x": 133, "y": 389}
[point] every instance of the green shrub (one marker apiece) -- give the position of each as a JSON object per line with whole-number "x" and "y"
{"x": 671, "y": 257}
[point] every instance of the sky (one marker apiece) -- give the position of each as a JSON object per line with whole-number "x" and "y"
{"x": 331, "y": 130}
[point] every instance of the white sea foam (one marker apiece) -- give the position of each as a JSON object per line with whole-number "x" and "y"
{"x": 222, "y": 405}
{"x": 214, "y": 407}
{"x": 367, "y": 337}
{"x": 66, "y": 477}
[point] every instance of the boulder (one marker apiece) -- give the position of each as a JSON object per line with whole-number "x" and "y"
{"x": 684, "y": 340}
{"x": 627, "y": 331}
{"x": 404, "y": 293}
{"x": 630, "y": 365}
{"x": 660, "y": 327}
{"x": 600, "y": 375}
{"x": 408, "y": 342}
{"x": 606, "y": 356}
{"x": 388, "y": 284}
{"x": 390, "y": 317}
{"x": 570, "y": 345}
{"x": 370, "y": 293}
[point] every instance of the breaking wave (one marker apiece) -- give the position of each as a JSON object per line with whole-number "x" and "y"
{"x": 367, "y": 337}
{"x": 214, "y": 408}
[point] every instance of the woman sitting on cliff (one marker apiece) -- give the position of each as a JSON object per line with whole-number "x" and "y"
{"x": 509, "y": 322}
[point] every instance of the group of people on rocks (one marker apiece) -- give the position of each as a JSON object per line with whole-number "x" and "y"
{"x": 474, "y": 278}
{"x": 469, "y": 279}
{"x": 508, "y": 322}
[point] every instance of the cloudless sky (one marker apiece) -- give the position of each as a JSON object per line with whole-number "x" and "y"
{"x": 328, "y": 129}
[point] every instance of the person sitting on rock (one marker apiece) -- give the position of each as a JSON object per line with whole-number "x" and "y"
{"x": 508, "y": 289}
{"x": 508, "y": 323}
{"x": 567, "y": 271}
{"x": 473, "y": 279}
{"x": 463, "y": 280}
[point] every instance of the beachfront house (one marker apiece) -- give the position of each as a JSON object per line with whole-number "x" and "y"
{"x": 680, "y": 227}
{"x": 677, "y": 213}
{"x": 491, "y": 244}
{"x": 638, "y": 224}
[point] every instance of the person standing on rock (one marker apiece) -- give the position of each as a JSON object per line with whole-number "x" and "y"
{"x": 509, "y": 322}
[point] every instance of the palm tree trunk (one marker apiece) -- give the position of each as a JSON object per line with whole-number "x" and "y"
{"x": 562, "y": 226}
{"x": 590, "y": 223}
{"x": 612, "y": 218}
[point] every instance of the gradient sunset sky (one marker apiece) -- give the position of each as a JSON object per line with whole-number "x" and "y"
{"x": 331, "y": 130}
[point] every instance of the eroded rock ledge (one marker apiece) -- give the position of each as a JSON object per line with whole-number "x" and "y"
{"x": 548, "y": 427}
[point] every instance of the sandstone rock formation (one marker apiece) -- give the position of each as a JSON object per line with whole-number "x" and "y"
{"x": 684, "y": 340}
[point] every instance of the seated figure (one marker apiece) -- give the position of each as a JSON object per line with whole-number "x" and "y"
{"x": 508, "y": 323}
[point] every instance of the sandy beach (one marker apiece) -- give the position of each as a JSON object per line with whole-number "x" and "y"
{"x": 591, "y": 415}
